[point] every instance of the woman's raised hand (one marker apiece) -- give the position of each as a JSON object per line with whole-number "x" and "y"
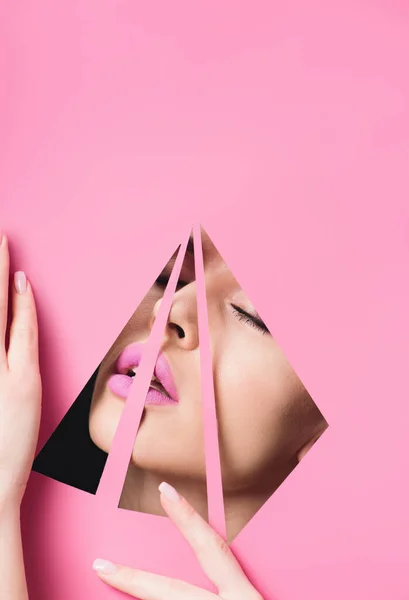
{"x": 212, "y": 552}
{"x": 20, "y": 382}
{"x": 20, "y": 405}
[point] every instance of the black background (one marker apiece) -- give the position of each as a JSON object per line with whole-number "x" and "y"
{"x": 70, "y": 456}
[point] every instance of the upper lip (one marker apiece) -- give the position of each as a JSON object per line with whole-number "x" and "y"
{"x": 131, "y": 357}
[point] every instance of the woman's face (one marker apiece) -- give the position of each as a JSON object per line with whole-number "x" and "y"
{"x": 266, "y": 417}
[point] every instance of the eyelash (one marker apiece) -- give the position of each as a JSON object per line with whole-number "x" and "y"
{"x": 242, "y": 315}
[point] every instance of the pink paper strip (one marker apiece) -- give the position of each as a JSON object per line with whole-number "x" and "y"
{"x": 211, "y": 438}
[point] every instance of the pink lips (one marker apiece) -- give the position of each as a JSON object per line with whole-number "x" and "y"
{"x": 162, "y": 391}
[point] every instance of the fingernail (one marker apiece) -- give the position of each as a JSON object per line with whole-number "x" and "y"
{"x": 104, "y": 566}
{"x": 169, "y": 492}
{"x": 20, "y": 281}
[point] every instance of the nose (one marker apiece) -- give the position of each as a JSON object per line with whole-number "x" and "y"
{"x": 181, "y": 327}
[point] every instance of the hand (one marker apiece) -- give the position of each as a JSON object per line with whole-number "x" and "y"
{"x": 20, "y": 383}
{"x": 213, "y": 554}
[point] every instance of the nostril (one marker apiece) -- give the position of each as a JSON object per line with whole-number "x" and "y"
{"x": 180, "y": 332}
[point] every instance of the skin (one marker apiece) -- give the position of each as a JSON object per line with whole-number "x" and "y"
{"x": 212, "y": 552}
{"x": 20, "y": 406}
{"x": 20, "y": 402}
{"x": 267, "y": 420}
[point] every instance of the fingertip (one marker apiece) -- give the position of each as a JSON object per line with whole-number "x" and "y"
{"x": 20, "y": 282}
{"x": 104, "y": 567}
{"x": 22, "y": 287}
{"x": 168, "y": 492}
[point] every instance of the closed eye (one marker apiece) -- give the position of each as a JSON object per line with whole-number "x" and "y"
{"x": 249, "y": 319}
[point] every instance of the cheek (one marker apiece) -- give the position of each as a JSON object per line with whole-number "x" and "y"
{"x": 255, "y": 389}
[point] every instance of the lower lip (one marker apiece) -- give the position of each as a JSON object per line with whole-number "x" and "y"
{"x": 120, "y": 385}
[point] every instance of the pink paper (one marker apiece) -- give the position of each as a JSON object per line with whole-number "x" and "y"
{"x": 284, "y": 131}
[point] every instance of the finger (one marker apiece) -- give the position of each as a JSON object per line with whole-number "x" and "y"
{"x": 212, "y": 551}
{"x": 23, "y": 347}
{"x": 147, "y": 586}
{"x": 4, "y": 293}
